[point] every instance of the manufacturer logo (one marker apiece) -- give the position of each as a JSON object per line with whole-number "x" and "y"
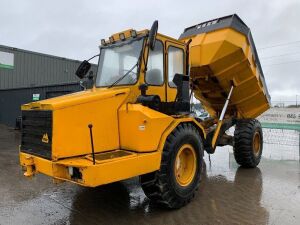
{"x": 45, "y": 138}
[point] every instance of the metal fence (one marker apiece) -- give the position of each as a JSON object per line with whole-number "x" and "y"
{"x": 281, "y": 137}
{"x": 281, "y": 144}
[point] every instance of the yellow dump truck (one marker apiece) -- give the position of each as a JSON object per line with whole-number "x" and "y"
{"x": 136, "y": 118}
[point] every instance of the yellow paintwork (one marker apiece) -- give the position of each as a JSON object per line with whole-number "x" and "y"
{"x": 107, "y": 170}
{"x": 129, "y": 138}
{"x": 256, "y": 143}
{"x": 185, "y": 165}
{"x": 114, "y": 126}
{"x": 141, "y": 127}
{"x": 216, "y": 134}
{"x": 226, "y": 55}
{"x": 165, "y": 92}
{"x": 71, "y": 135}
{"x": 73, "y": 113}
{"x": 118, "y": 123}
{"x": 127, "y": 34}
{"x": 174, "y": 124}
{"x": 98, "y": 174}
{"x": 28, "y": 164}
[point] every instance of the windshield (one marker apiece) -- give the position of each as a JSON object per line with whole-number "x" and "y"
{"x": 117, "y": 60}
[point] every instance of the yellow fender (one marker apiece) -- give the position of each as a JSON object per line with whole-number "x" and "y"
{"x": 174, "y": 124}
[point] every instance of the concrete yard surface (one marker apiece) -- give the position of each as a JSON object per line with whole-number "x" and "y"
{"x": 228, "y": 194}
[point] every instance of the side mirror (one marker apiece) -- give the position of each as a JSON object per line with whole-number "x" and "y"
{"x": 87, "y": 83}
{"x": 152, "y": 34}
{"x": 83, "y": 69}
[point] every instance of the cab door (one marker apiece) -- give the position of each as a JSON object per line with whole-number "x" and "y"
{"x": 155, "y": 73}
{"x": 175, "y": 63}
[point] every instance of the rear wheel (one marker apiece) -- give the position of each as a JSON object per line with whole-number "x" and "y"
{"x": 174, "y": 185}
{"x": 248, "y": 142}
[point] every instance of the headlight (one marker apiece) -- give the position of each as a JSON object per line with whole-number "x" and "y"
{"x": 71, "y": 172}
{"x": 133, "y": 33}
{"x": 103, "y": 42}
{"x": 111, "y": 39}
{"x": 122, "y": 36}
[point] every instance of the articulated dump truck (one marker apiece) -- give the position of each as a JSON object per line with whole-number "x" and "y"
{"x": 135, "y": 118}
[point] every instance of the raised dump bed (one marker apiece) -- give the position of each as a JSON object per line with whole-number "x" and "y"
{"x": 222, "y": 53}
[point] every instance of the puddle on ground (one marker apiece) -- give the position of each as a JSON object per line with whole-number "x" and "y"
{"x": 228, "y": 194}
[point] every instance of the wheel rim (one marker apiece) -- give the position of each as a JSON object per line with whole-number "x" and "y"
{"x": 256, "y": 143}
{"x": 185, "y": 165}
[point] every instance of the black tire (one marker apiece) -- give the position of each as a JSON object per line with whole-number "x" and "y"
{"x": 162, "y": 186}
{"x": 246, "y": 152}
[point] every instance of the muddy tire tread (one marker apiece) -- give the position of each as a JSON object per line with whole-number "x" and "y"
{"x": 157, "y": 184}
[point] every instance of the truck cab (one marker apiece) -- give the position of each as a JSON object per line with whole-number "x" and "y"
{"x": 154, "y": 67}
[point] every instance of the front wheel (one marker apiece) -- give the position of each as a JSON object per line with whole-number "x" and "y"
{"x": 174, "y": 185}
{"x": 248, "y": 142}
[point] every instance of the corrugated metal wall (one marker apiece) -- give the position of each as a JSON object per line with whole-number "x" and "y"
{"x": 11, "y": 100}
{"x": 33, "y": 69}
{"x": 32, "y": 73}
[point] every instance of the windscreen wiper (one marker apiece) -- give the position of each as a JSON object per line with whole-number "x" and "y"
{"x": 121, "y": 78}
{"x": 129, "y": 71}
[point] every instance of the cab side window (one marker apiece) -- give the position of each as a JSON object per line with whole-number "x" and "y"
{"x": 175, "y": 63}
{"x": 155, "y": 66}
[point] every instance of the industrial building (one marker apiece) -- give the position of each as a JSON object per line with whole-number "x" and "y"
{"x": 27, "y": 76}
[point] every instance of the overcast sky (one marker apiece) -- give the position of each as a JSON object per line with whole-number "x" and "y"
{"x": 73, "y": 28}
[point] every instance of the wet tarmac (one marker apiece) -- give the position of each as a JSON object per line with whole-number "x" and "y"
{"x": 269, "y": 194}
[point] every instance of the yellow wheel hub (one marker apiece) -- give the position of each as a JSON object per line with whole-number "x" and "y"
{"x": 185, "y": 165}
{"x": 256, "y": 143}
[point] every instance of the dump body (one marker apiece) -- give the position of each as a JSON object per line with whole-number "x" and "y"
{"x": 222, "y": 53}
